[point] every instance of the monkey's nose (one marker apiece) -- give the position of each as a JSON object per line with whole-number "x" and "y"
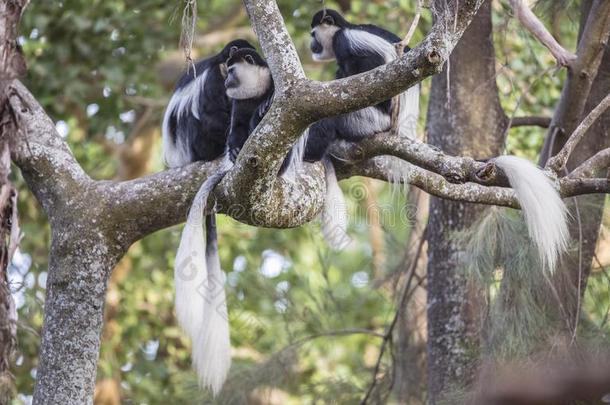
{"x": 315, "y": 46}
{"x": 231, "y": 81}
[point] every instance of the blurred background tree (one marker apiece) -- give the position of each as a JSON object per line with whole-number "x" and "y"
{"x": 307, "y": 323}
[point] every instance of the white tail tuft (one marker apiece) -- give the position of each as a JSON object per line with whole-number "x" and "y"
{"x": 200, "y": 298}
{"x": 334, "y": 214}
{"x": 543, "y": 208}
{"x": 296, "y": 159}
{"x": 409, "y": 112}
{"x": 398, "y": 175}
{"x": 212, "y": 346}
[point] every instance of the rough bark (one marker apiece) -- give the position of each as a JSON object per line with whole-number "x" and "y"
{"x": 12, "y": 65}
{"x": 464, "y": 118}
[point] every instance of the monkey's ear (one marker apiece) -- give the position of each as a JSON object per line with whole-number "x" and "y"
{"x": 223, "y": 70}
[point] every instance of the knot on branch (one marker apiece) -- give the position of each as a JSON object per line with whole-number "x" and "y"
{"x": 434, "y": 57}
{"x": 486, "y": 173}
{"x": 490, "y": 174}
{"x": 252, "y": 161}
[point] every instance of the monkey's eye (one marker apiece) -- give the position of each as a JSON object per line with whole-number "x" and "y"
{"x": 232, "y": 51}
{"x": 249, "y": 59}
{"x": 328, "y": 20}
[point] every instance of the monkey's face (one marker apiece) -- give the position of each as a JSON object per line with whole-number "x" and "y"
{"x": 247, "y": 76}
{"x": 322, "y": 41}
{"x": 324, "y": 25}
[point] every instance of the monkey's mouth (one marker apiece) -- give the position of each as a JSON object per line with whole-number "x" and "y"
{"x": 316, "y": 47}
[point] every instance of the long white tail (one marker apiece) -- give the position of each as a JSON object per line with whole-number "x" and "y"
{"x": 201, "y": 306}
{"x": 543, "y": 208}
{"x": 212, "y": 345}
{"x": 334, "y": 214}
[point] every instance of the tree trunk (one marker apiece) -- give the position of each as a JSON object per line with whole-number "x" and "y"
{"x": 79, "y": 268}
{"x": 464, "y": 118}
{"x": 587, "y": 84}
{"x": 586, "y": 211}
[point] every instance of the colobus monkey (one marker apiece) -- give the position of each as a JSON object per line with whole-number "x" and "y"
{"x": 357, "y": 49}
{"x": 200, "y": 298}
{"x": 197, "y": 116}
{"x": 195, "y": 128}
{"x": 250, "y": 86}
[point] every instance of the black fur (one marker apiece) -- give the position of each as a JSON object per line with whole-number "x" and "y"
{"x": 206, "y": 135}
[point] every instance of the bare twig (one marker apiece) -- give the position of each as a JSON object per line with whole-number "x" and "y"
{"x": 531, "y": 121}
{"x": 558, "y": 162}
{"x": 401, "y": 304}
{"x": 535, "y": 26}
{"x": 336, "y": 333}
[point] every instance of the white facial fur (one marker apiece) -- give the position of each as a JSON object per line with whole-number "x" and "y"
{"x": 254, "y": 81}
{"x": 324, "y": 34}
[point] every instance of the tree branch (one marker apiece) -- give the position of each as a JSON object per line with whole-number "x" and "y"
{"x": 542, "y": 122}
{"x": 42, "y": 155}
{"x": 431, "y": 183}
{"x": 278, "y": 48}
{"x": 558, "y": 162}
{"x": 535, "y": 26}
{"x": 599, "y": 161}
{"x": 581, "y": 74}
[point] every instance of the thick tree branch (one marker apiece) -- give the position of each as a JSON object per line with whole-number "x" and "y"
{"x": 43, "y": 156}
{"x": 277, "y": 45}
{"x": 535, "y": 26}
{"x": 130, "y": 210}
{"x": 430, "y": 182}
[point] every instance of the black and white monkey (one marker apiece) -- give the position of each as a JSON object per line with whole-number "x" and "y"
{"x": 250, "y": 86}
{"x": 358, "y": 48}
{"x": 200, "y": 298}
{"x": 197, "y": 117}
{"x": 195, "y": 128}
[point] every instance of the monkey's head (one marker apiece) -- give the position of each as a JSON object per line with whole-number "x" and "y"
{"x": 324, "y": 26}
{"x": 248, "y": 75}
{"x": 228, "y": 50}
{"x": 233, "y": 46}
